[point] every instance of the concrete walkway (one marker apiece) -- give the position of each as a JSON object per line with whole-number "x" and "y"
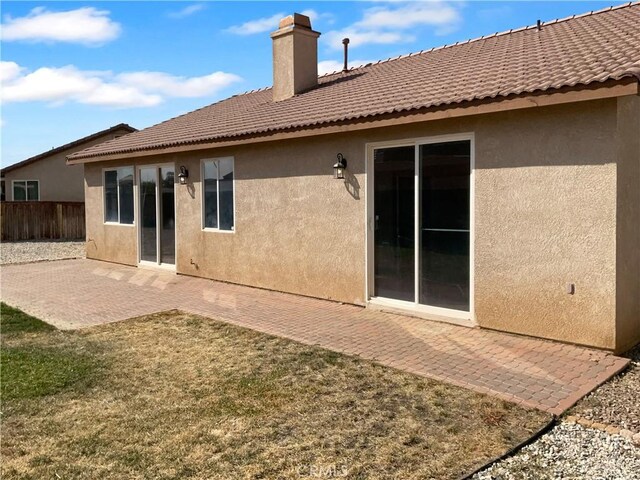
{"x": 546, "y": 375}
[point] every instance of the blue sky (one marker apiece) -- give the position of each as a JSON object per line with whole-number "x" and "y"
{"x": 72, "y": 68}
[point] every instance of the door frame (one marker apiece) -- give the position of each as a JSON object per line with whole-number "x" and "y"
{"x": 437, "y": 313}
{"x": 138, "y": 206}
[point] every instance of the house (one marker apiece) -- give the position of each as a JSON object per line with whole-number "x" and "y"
{"x": 46, "y": 177}
{"x": 493, "y": 183}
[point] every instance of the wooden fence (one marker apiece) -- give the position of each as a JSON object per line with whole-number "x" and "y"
{"x": 41, "y": 221}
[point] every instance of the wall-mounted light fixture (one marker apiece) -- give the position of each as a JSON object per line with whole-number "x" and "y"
{"x": 183, "y": 175}
{"x": 339, "y": 167}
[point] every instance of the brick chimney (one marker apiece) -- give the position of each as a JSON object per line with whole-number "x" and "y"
{"x": 295, "y": 57}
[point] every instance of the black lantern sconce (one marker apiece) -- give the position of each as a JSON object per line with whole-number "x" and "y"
{"x": 183, "y": 175}
{"x": 339, "y": 167}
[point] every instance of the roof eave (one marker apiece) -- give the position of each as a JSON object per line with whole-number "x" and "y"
{"x": 66, "y": 146}
{"x": 629, "y": 85}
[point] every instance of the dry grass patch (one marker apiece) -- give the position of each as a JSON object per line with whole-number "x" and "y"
{"x": 180, "y": 396}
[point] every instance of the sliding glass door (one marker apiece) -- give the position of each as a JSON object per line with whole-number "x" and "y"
{"x": 421, "y": 217}
{"x": 157, "y": 215}
{"x": 445, "y": 172}
{"x": 394, "y": 217}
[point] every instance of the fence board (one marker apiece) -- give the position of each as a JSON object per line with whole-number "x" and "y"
{"x": 41, "y": 221}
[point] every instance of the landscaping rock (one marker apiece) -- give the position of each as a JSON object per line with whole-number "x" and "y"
{"x": 570, "y": 451}
{"x": 26, "y": 252}
{"x": 617, "y": 402}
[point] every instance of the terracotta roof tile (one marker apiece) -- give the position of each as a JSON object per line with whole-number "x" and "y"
{"x": 579, "y": 50}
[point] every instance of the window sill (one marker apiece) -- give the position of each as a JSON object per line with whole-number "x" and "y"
{"x": 217, "y": 230}
{"x": 119, "y": 224}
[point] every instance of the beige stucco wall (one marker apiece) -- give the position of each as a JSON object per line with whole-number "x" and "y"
{"x": 628, "y": 224}
{"x": 297, "y": 229}
{"x": 114, "y": 243}
{"x": 545, "y": 215}
{"x": 58, "y": 181}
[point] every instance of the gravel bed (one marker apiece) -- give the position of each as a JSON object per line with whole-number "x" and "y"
{"x": 570, "y": 451}
{"x": 617, "y": 402}
{"x": 25, "y": 252}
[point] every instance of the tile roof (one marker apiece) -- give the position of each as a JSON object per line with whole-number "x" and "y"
{"x": 579, "y": 50}
{"x": 76, "y": 143}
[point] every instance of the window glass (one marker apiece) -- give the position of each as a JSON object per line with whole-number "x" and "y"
{"x": 125, "y": 186}
{"x": 111, "y": 196}
{"x": 32, "y": 190}
{"x": 118, "y": 195}
{"x": 225, "y": 184}
{"x": 218, "y": 194}
{"x": 445, "y": 182}
{"x": 210, "y": 194}
{"x": 19, "y": 191}
{"x": 26, "y": 190}
{"x": 394, "y": 210}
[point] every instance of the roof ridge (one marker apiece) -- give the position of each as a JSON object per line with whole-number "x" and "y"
{"x": 441, "y": 47}
{"x": 493, "y": 35}
{"x": 254, "y": 112}
{"x": 71, "y": 144}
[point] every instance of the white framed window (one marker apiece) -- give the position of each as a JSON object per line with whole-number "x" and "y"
{"x": 118, "y": 195}
{"x": 218, "y": 194}
{"x": 26, "y": 190}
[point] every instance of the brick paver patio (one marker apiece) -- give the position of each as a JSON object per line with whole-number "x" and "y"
{"x": 541, "y": 374}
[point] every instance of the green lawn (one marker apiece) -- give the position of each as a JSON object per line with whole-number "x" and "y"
{"x": 37, "y": 360}
{"x": 179, "y": 396}
{"x": 14, "y": 321}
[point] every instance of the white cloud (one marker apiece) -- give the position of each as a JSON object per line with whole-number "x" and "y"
{"x": 131, "y": 89}
{"x": 187, "y": 11}
{"x": 116, "y": 95}
{"x": 330, "y": 66}
{"x": 437, "y": 14}
{"x": 396, "y": 23}
{"x": 9, "y": 71}
{"x": 179, "y": 86}
{"x": 316, "y": 17}
{"x": 86, "y": 25}
{"x": 259, "y": 25}
{"x": 49, "y": 84}
{"x": 358, "y": 38}
{"x": 312, "y": 14}
{"x": 270, "y": 24}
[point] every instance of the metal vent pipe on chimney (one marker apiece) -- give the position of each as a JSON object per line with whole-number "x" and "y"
{"x": 345, "y": 42}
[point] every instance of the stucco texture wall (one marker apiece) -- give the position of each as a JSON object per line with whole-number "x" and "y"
{"x": 628, "y": 224}
{"x": 59, "y": 182}
{"x": 113, "y": 243}
{"x": 296, "y": 229}
{"x": 545, "y": 216}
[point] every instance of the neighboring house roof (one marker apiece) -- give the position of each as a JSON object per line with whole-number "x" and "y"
{"x": 577, "y": 51}
{"x": 75, "y": 143}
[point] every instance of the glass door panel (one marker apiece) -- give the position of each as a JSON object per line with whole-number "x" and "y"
{"x": 394, "y": 214}
{"x": 157, "y": 215}
{"x": 148, "y": 215}
{"x": 444, "y": 254}
{"x": 168, "y": 216}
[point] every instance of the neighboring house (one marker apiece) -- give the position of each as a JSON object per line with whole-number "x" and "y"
{"x": 492, "y": 183}
{"x": 47, "y": 177}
